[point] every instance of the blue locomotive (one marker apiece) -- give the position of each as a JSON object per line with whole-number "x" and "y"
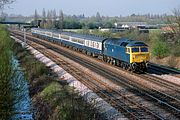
{"x": 129, "y": 54}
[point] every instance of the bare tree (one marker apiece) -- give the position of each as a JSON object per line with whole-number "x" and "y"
{"x": 54, "y": 17}
{"x": 3, "y": 16}
{"x": 36, "y": 17}
{"x": 43, "y": 17}
{"x": 98, "y": 17}
{"x": 176, "y": 13}
{"x": 44, "y": 14}
{"x": 174, "y": 24}
{"x": 5, "y": 2}
{"x": 48, "y": 15}
{"x": 61, "y": 19}
{"x": 54, "y": 14}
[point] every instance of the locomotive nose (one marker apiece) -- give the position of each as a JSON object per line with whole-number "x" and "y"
{"x": 137, "y": 58}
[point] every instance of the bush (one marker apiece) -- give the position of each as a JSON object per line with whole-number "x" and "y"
{"x": 160, "y": 49}
{"x": 172, "y": 61}
{"x": 101, "y": 33}
{"x": 176, "y": 50}
{"x": 135, "y": 35}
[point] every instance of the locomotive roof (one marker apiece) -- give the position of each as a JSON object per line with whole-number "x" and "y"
{"x": 124, "y": 42}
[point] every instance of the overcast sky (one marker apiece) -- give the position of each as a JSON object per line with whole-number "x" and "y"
{"x": 91, "y": 7}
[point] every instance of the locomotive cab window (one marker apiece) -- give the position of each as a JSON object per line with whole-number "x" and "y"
{"x": 144, "y": 49}
{"x": 135, "y": 50}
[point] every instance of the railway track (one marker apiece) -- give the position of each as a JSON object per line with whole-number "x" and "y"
{"x": 162, "y": 69}
{"x": 173, "y": 87}
{"x": 140, "y": 110}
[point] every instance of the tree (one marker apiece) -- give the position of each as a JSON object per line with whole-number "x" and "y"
{"x": 174, "y": 24}
{"x": 107, "y": 25}
{"x": 49, "y": 23}
{"x": 43, "y": 17}
{"x": 44, "y": 13}
{"x": 54, "y": 14}
{"x": 48, "y": 15}
{"x": 61, "y": 20}
{"x": 160, "y": 47}
{"x": 98, "y": 17}
{"x": 71, "y": 24}
{"x": 5, "y": 2}
{"x": 3, "y": 16}
{"x": 2, "y": 4}
{"x": 36, "y": 17}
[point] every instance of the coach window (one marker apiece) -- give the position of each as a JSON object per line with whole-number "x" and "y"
{"x": 97, "y": 45}
{"x": 87, "y": 43}
{"x": 91, "y": 43}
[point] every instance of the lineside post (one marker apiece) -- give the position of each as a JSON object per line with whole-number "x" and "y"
{"x": 25, "y": 35}
{"x": 24, "y": 44}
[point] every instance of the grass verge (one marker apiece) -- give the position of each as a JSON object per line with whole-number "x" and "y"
{"x": 6, "y": 74}
{"x": 52, "y": 99}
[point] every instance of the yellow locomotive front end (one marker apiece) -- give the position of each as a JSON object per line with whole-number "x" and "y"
{"x": 139, "y": 57}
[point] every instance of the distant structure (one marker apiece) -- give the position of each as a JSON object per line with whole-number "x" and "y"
{"x": 130, "y": 24}
{"x": 143, "y": 27}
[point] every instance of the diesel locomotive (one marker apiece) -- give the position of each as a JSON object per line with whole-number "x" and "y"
{"x": 129, "y": 54}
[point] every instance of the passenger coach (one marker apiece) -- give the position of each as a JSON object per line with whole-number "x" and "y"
{"x": 90, "y": 44}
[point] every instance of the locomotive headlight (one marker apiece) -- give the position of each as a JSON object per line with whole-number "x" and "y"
{"x": 135, "y": 56}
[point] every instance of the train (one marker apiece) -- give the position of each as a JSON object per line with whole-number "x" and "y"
{"x": 132, "y": 55}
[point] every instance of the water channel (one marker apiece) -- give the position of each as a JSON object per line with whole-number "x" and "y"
{"x": 22, "y": 107}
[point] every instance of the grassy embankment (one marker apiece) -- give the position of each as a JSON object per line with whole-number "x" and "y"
{"x": 6, "y": 96}
{"x": 52, "y": 98}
